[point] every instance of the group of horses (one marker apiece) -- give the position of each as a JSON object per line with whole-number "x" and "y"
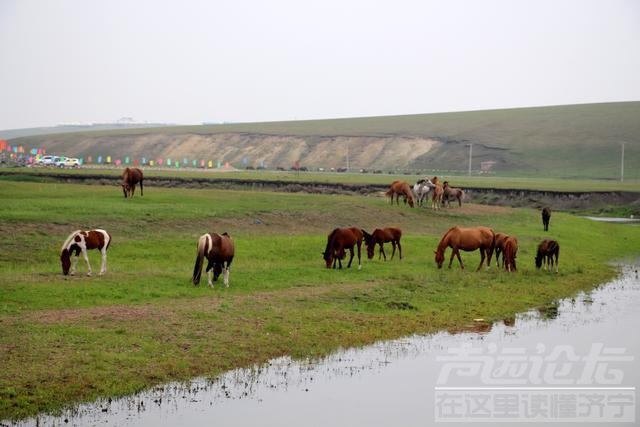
{"x": 487, "y": 241}
{"x": 442, "y": 194}
{"x": 343, "y": 239}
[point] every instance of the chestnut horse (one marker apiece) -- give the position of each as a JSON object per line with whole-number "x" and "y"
{"x": 437, "y": 193}
{"x": 548, "y": 250}
{"x": 509, "y": 254}
{"x": 546, "y": 216}
{"x": 219, "y": 250}
{"x": 81, "y": 241}
{"x": 380, "y": 237}
{"x": 130, "y": 177}
{"x": 339, "y": 240}
{"x": 450, "y": 193}
{"x": 400, "y": 188}
{"x": 499, "y": 248}
{"x": 466, "y": 239}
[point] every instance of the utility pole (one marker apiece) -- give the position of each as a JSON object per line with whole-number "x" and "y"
{"x": 622, "y": 164}
{"x": 470, "y": 156}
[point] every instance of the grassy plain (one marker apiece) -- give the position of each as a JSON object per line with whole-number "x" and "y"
{"x": 65, "y": 340}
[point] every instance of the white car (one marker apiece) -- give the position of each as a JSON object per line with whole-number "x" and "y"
{"x": 58, "y": 161}
{"x": 71, "y": 162}
{"x": 45, "y": 160}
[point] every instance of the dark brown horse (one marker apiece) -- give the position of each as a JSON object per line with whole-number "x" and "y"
{"x": 509, "y": 254}
{"x": 219, "y": 251}
{"x": 466, "y": 239}
{"x": 400, "y": 188}
{"x": 546, "y": 216}
{"x": 548, "y": 252}
{"x": 499, "y": 247}
{"x": 380, "y": 237}
{"x": 81, "y": 241}
{"x": 130, "y": 177}
{"x": 450, "y": 193}
{"x": 338, "y": 241}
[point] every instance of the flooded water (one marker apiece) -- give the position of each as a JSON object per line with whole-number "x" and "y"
{"x": 574, "y": 361}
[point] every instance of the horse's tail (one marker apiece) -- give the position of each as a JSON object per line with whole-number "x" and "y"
{"x": 197, "y": 268}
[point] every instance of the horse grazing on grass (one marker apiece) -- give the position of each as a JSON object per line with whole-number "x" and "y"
{"x": 546, "y": 216}
{"x": 338, "y": 241}
{"x": 466, "y": 239}
{"x": 509, "y": 254}
{"x": 219, "y": 251}
{"x": 548, "y": 252}
{"x": 380, "y": 237}
{"x": 130, "y": 177}
{"x": 81, "y": 241}
{"x": 499, "y": 248}
{"x": 450, "y": 193}
{"x": 400, "y": 188}
{"x": 421, "y": 190}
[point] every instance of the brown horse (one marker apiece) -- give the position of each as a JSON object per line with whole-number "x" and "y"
{"x": 81, "y": 241}
{"x": 509, "y": 254}
{"x": 339, "y": 240}
{"x": 219, "y": 250}
{"x": 499, "y": 248}
{"x": 548, "y": 251}
{"x": 450, "y": 193}
{"x": 466, "y": 239}
{"x": 130, "y": 177}
{"x": 437, "y": 193}
{"x": 546, "y": 216}
{"x": 380, "y": 237}
{"x": 400, "y": 188}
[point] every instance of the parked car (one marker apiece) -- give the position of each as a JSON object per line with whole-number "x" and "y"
{"x": 45, "y": 160}
{"x": 71, "y": 162}
{"x": 58, "y": 161}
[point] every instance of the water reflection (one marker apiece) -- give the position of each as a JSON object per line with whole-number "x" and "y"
{"x": 386, "y": 383}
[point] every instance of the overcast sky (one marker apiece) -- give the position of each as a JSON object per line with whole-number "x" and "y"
{"x": 188, "y": 61}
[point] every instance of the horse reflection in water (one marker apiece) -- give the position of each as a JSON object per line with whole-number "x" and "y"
{"x": 219, "y": 251}
{"x": 338, "y": 241}
{"x": 466, "y": 239}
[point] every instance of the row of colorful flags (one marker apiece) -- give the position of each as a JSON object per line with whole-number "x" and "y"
{"x": 18, "y": 152}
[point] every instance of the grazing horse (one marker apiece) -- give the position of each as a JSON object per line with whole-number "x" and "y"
{"x": 81, "y": 241}
{"x": 466, "y": 239}
{"x": 219, "y": 250}
{"x": 546, "y": 216}
{"x": 130, "y": 177}
{"x": 509, "y": 254}
{"x": 499, "y": 247}
{"x": 400, "y": 188}
{"x": 422, "y": 189}
{"x": 380, "y": 237}
{"x": 450, "y": 193}
{"x": 339, "y": 240}
{"x": 548, "y": 250}
{"x": 437, "y": 194}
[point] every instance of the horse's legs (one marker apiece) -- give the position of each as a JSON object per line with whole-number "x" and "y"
{"x": 86, "y": 258}
{"x": 382, "y": 254}
{"x": 399, "y": 249}
{"x": 455, "y": 252}
{"x": 359, "y": 245}
{"x": 103, "y": 267}
{"x": 482, "y": 257}
{"x": 225, "y": 275}
{"x": 74, "y": 262}
{"x": 351, "y": 255}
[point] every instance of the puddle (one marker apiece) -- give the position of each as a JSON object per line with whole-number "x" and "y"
{"x": 394, "y": 382}
{"x": 631, "y": 220}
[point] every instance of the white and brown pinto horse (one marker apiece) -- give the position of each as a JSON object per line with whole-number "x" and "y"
{"x": 130, "y": 177}
{"x": 219, "y": 250}
{"x": 81, "y": 241}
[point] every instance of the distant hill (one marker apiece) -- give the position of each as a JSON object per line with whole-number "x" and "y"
{"x": 559, "y": 141}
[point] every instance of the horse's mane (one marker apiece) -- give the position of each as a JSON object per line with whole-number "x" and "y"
{"x": 66, "y": 243}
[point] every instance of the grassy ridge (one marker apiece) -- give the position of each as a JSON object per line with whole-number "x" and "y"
{"x": 144, "y": 323}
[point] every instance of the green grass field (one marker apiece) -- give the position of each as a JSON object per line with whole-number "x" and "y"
{"x": 67, "y": 339}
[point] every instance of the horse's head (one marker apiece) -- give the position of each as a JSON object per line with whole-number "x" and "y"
{"x": 65, "y": 259}
{"x": 217, "y": 270}
{"x": 439, "y": 258}
{"x": 328, "y": 257}
{"x": 539, "y": 260}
